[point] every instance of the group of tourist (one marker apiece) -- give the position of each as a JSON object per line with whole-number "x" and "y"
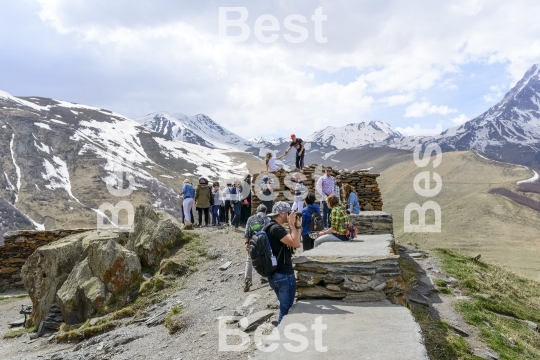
{"x": 223, "y": 203}
{"x": 309, "y": 224}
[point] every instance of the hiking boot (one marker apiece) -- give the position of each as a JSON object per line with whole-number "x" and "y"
{"x": 264, "y": 280}
{"x": 247, "y": 285}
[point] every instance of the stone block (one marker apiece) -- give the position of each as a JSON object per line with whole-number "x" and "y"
{"x": 366, "y": 296}
{"x": 318, "y": 292}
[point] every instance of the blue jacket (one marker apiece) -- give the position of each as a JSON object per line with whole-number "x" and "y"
{"x": 188, "y": 191}
{"x": 353, "y": 199}
{"x": 306, "y": 217}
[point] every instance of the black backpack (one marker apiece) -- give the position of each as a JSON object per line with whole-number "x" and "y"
{"x": 261, "y": 254}
{"x": 316, "y": 224}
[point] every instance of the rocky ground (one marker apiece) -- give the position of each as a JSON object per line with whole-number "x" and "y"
{"x": 207, "y": 295}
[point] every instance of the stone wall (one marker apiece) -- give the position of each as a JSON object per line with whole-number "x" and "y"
{"x": 18, "y": 246}
{"x": 373, "y": 222}
{"x": 364, "y": 183}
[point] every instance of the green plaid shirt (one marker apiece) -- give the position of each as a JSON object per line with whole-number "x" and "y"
{"x": 339, "y": 219}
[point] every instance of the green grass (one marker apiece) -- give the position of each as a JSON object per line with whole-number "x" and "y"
{"x": 174, "y": 321}
{"x": 16, "y": 333}
{"x": 441, "y": 342}
{"x": 499, "y": 316}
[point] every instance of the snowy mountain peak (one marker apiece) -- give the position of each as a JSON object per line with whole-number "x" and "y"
{"x": 198, "y": 129}
{"x": 354, "y": 134}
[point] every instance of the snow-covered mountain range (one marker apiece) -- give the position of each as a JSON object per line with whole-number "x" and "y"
{"x": 508, "y": 131}
{"x": 354, "y": 135}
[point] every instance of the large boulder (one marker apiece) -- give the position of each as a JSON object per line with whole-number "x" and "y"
{"x": 49, "y": 266}
{"x": 108, "y": 271}
{"x": 154, "y": 233}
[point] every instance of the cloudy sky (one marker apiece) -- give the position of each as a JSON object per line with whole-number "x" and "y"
{"x": 416, "y": 63}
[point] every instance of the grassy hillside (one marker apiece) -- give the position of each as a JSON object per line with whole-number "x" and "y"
{"x": 473, "y": 221}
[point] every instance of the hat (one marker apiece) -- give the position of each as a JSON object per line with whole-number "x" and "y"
{"x": 247, "y": 176}
{"x": 261, "y": 208}
{"x": 279, "y": 208}
{"x": 265, "y": 177}
{"x": 229, "y": 183}
{"x": 293, "y": 136}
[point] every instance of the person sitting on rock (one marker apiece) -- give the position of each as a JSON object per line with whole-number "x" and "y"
{"x": 339, "y": 220}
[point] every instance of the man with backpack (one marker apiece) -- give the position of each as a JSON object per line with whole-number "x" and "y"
{"x": 312, "y": 222}
{"x": 271, "y": 256}
{"x": 254, "y": 224}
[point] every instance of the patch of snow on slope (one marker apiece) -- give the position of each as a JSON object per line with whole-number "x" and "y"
{"x": 17, "y": 169}
{"x": 57, "y": 121}
{"x": 328, "y": 154}
{"x": 531, "y": 180}
{"x": 9, "y": 97}
{"x": 10, "y": 185}
{"x": 211, "y": 163}
{"x": 42, "y": 147}
{"x": 58, "y": 176}
{"x": 42, "y": 125}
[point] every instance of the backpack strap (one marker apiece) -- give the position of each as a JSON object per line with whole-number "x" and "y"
{"x": 265, "y": 229}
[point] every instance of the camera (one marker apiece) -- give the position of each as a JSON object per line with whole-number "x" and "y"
{"x": 298, "y": 214}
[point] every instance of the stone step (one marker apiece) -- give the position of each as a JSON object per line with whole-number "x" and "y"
{"x": 377, "y": 330}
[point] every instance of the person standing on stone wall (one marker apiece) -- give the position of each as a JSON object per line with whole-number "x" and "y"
{"x": 325, "y": 187}
{"x": 245, "y": 211}
{"x": 282, "y": 280}
{"x": 298, "y": 144}
{"x": 188, "y": 193}
{"x": 254, "y": 224}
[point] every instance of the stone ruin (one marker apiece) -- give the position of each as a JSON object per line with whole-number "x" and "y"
{"x": 364, "y": 183}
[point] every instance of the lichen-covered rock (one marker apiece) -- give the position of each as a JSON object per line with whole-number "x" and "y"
{"x": 108, "y": 270}
{"x": 154, "y": 233}
{"x": 49, "y": 266}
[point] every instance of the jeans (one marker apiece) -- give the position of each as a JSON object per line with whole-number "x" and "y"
{"x": 248, "y": 272}
{"x": 284, "y": 285}
{"x": 215, "y": 215}
{"x": 327, "y": 238}
{"x": 325, "y": 214}
{"x": 307, "y": 242}
{"x": 188, "y": 205}
{"x": 236, "y": 217}
{"x": 300, "y": 161}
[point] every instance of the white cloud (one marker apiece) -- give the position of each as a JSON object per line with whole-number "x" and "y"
{"x": 165, "y": 55}
{"x": 424, "y": 107}
{"x": 496, "y": 93}
{"x": 417, "y": 130}
{"x": 458, "y": 120}
{"x": 397, "y": 99}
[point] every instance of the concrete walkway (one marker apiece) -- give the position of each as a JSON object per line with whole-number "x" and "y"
{"x": 328, "y": 329}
